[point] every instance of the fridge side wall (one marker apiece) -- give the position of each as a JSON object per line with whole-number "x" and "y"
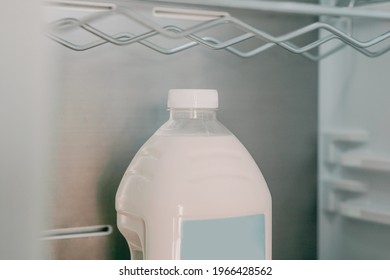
{"x": 25, "y": 130}
{"x": 354, "y": 152}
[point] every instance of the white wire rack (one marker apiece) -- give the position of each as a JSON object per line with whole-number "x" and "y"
{"x": 207, "y": 20}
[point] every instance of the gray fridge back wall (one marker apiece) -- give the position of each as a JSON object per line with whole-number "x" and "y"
{"x": 110, "y": 100}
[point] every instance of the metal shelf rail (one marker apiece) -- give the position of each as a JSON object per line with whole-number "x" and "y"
{"x": 207, "y": 20}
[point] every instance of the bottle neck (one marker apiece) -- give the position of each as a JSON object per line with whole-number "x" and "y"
{"x": 193, "y": 114}
{"x": 193, "y": 122}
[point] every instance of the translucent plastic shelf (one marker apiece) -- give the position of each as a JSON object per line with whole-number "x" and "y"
{"x": 352, "y": 136}
{"x": 366, "y": 210}
{"x": 334, "y": 137}
{"x": 346, "y": 185}
{"x": 202, "y": 20}
{"x": 365, "y": 162}
{"x": 332, "y": 189}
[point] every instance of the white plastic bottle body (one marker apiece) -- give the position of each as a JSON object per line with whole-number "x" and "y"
{"x": 193, "y": 191}
{"x": 177, "y": 178}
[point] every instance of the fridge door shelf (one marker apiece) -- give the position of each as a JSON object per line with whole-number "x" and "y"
{"x": 345, "y": 185}
{"x": 365, "y": 210}
{"x": 369, "y": 163}
{"x": 332, "y": 138}
{"x": 201, "y": 20}
{"x": 349, "y": 136}
{"x": 334, "y": 187}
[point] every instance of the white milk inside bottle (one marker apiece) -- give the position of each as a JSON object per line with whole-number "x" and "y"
{"x": 193, "y": 191}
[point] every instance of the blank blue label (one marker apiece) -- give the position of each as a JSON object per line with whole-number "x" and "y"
{"x": 239, "y": 238}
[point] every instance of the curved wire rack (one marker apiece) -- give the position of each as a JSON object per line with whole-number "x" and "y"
{"x": 247, "y": 31}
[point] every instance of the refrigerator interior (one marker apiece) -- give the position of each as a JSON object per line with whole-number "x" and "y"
{"x": 111, "y": 99}
{"x": 317, "y": 130}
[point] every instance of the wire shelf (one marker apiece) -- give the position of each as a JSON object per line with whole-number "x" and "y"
{"x": 206, "y": 20}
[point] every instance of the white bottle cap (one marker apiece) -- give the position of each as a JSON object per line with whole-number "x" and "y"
{"x": 193, "y": 98}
